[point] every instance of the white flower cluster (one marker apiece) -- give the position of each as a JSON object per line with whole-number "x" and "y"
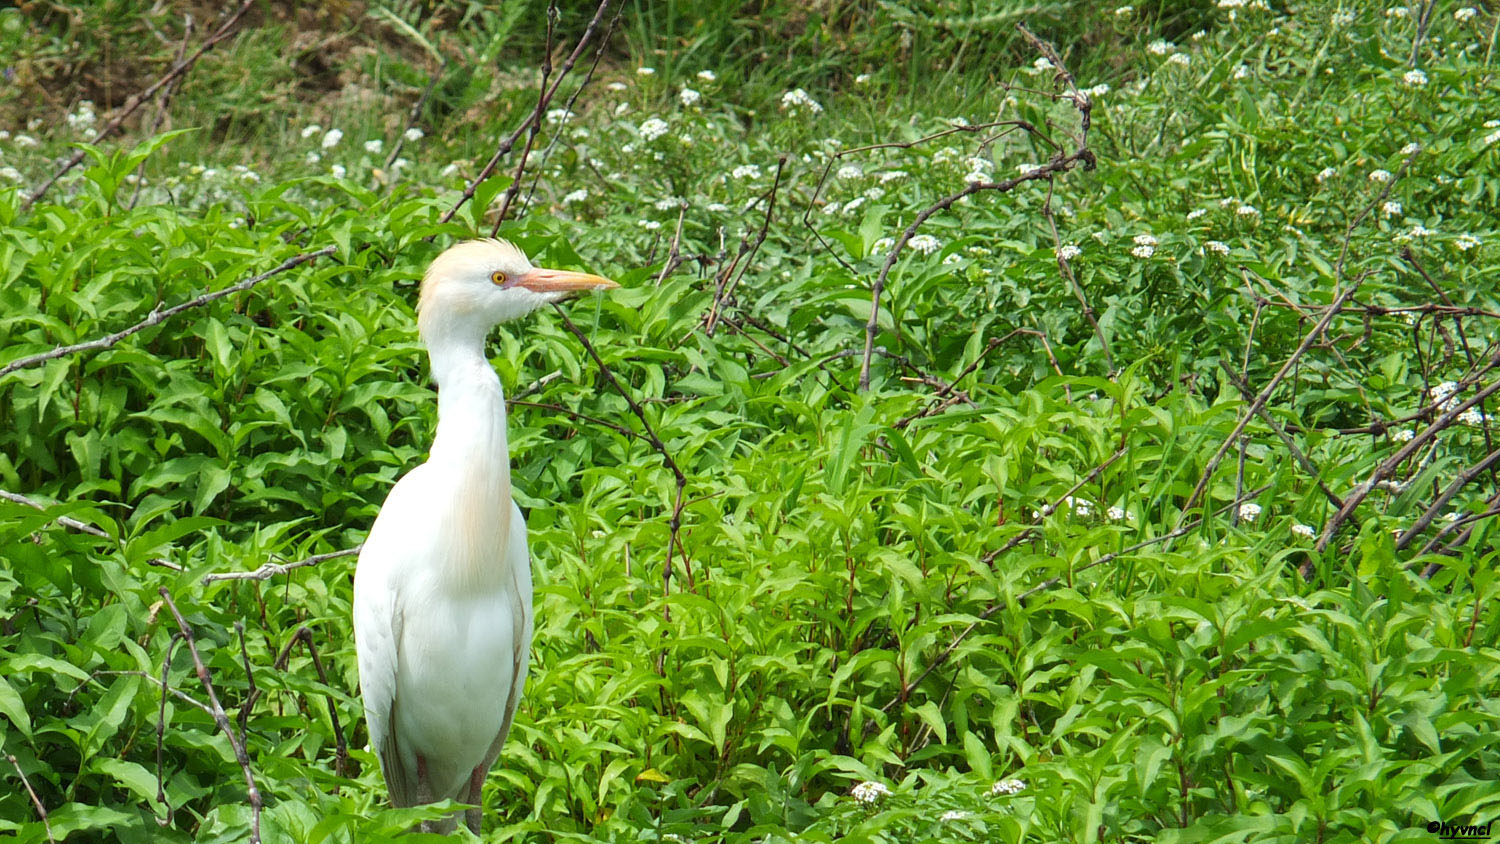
{"x": 1007, "y": 787}
{"x": 1465, "y": 14}
{"x": 1068, "y": 252}
{"x": 413, "y": 135}
{"x": 1465, "y": 242}
{"x": 1391, "y": 209}
{"x": 653, "y": 128}
{"x": 1161, "y": 47}
{"x": 799, "y": 99}
{"x": 1381, "y": 176}
{"x": 869, "y": 792}
{"x": 925, "y": 244}
{"x": 953, "y": 815}
{"x": 1304, "y": 531}
{"x": 331, "y": 138}
{"x": 1326, "y": 173}
{"x": 689, "y": 97}
{"x": 745, "y": 171}
{"x": 707, "y": 75}
{"x": 82, "y": 119}
{"x": 1145, "y": 246}
{"x": 576, "y": 196}
{"x": 1079, "y": 506}
{"x": 849, "y": 171}
{"x": 1415, "y": 78}
{"x": 1444, "y": 395}
{"x": 374, "y": 146}
{"x": 1249, "y": 511}
{"x": 1217, "y": 246}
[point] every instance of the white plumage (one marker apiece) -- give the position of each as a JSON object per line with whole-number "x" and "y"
{"x": 442, "y": 591}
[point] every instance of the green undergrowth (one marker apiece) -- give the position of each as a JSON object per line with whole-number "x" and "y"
{"x": 937, "y": 589}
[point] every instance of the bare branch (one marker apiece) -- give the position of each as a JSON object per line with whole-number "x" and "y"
{"x": 159, "y": 316}
{"x": 270, "y": 570}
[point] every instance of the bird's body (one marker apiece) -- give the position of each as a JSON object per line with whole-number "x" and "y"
{"x": 442, "y": 591}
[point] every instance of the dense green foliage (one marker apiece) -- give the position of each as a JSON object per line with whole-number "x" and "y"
{"x": 926, "y": 587}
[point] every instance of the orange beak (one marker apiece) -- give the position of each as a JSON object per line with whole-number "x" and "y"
{"x": 563, "y": 281}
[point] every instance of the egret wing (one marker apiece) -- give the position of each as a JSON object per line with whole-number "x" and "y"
{"x": 377, "y": 629}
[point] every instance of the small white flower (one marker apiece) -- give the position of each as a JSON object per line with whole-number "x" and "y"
{"x": 310, "y": 130}
{"x": 799, "y": 99}
{"x": 1180, "y": 59}
{"x": 413, "y": 134}
{"x": 668, "y": 204}
{"x": 869, "y": 792}
{"x": 1419, "y": 230}
{"x": 1115, "y": 514}
{"x": 621, "y": 109}
{"x": 1488, "y": 139}
{"x": 707, "y": 75}
{"x": 557, "y": 116}
{"x": 645, "y": 71}
{"x": 1451, "y": 517}
{"x": 1342, "y": 19}
{"x": 313, "y": 157}
{"x": 1415, "y": 78}
{"x": 1465, "y": 14}
{"x": 1145, "y": 240}
{"x": 1326, "y": 173}
{"x": 952, "y": 258}
{"x": 1160, "y": 47}
{"x": 1007, "y": 787}
{"x": 853, "y": 204}
{"x": 331, "y": 138}
{"x": 746, "y": 171}
{"x": 689, "y": 97}
{"x": 1027, "y": 169}
{"x": 650, "y": 225}
{"x": 891, "y": 176}
{"x": 1397, "y": 12}
{"x": 925, "y": 244}
{"x": 1123, "y": 11}
{"x": 1143, "y": 251}
{"x": 617, "y": 87}
{"x": 882, "y": 245}
{"x": 449, "y": 171}
{"x": 400, "y": 164}
{"x": 26, "y": 142}
{"x": 1381, "y": 176}
{"x": 874, "y": 194}
{"x": 1411, "y": 148}
{"x": 1247, "y": 211}
{"x": 1240, "y": 71}
{"x": 862, "y": 79}
{"x": 849, "y": 171}
{"x": 653, "y": 128}
{"x": 953, "y": 815}
{"x": 374, "y": 146}
{"x": 716, "y": 208}
{"x": 1217, "y": 246}
{"x": 249, "y": 176}
{"x": 1080, "y": 506}
{"x": 576, "y": 196}
{"x": 1472, "y": 416}
{"x": 1097, "y": 91}
{"x": 1443, "y": 394}
{"x": 1042, "y": 64}
{"x": 1249, "y": 511}
{"x": 1404, "y": 435}
{"x": 338, "y": 171}
{"x": 1068, "y": 252}
{"x": 1304, "y": 531}
{"x": 1465, "y": 242}
{"x": 1391, "y": 209}
{"x": 11, "y": 174}
{"x": 1196, "y": 213}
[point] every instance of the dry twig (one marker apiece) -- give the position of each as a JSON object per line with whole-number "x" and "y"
{"x": 236, "y": 742}
{"x": 158, "y": 315}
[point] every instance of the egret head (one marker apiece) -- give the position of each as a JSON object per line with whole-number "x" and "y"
{"x": 477, "y": 284}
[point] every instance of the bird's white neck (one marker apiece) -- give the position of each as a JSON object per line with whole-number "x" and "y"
{"x": 472, "y": 455}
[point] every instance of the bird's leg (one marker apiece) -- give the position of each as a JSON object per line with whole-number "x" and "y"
{"x": 424, "y": 792}
{"x": 475, "y": 796}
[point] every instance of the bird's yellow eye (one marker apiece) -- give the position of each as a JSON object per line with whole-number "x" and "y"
{"x": 497, "y": 277}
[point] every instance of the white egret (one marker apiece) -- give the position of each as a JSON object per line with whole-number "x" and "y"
{"x": 442, "y": 591}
